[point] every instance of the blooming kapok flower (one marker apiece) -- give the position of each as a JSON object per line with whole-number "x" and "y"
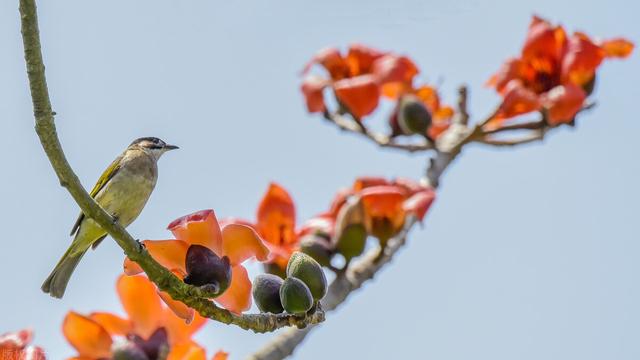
{"x": 555, "y": 72}
{"x": 358, "y": 78}
{"x": 150, "y": 332}
{"x": 15, "y": 346}
{"x": 386, "y": 204}
{"x": 238, "y": 242}
{"x": 276, "y": 224}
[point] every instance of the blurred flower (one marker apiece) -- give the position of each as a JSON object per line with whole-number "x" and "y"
{"x": 275, "y": 223}
{"x": 151, "y": 331}
{"x": 235, "y": 241}
{"x": 358, "y": 78}
{"x": 555, "y": 72}
{"x": 385, "y": 204}
{"x": 15, "y": 346}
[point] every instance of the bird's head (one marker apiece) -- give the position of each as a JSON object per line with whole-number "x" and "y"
{"x": 152, "y": 146}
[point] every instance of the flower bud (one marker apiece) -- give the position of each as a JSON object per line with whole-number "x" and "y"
{"x": 351, "y": 241}
{"x": 413, "y": 116}
{"x": 266, "y": 293}
{"x": 318, "y": 247}
{"x": 156, "y": 346}
{"x": 305, "y": 268}
{"x": 204, "y": 267}
{"x": 295, "y": 296}
{"x": 351, "y": 234}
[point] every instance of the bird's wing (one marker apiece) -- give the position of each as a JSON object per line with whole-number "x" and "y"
{"x": 104, "y": 178}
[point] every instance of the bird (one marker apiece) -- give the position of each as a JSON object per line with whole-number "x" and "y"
{"x": 122, "y": 191}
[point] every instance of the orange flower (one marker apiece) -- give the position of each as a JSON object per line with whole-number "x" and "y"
{"x": 237, "y": 242}
{"x": 151, "y": 329}
{"x": 386, "y": 203}
{"x": 15, "y": 346}
{"x": 357, "y": 79}
{"x": 554, "y": 72}
{"x": 276, "y": 224}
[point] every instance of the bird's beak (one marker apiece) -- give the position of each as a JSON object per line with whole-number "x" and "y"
{"x": 170, "y": 147}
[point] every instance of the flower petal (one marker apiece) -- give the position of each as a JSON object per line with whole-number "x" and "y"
{"x": 237, "y": 298}
{"x": 169, "y": 253}
{"x": 32, "y": 353}
{"x": 543, "y": 40}
{"x": 332, "y": 60}
{"x": 360, "y": 59}
{"x": 394, "y": 69}
{"x": 385, "y": 200}
{"x": 581, "y": 59}
{"x": 312, "y": 89}
{"x": 187, "y": 351}
{"x": 359, "y": 94}
{"x": 199, "y": 228}
{"x": 17, "y": 340}
{"x": 178, "y": 330}
{"x": 563, "y": 103}
{"x": 419, "y": 203}
{"x": 322, "y": 223}
{"x": 86, "y": 336}
{"x": 178, "y": 308}
{"x": 617, "y": 48}
{"x": 114, "y": 324}
{"x": 364, "y": 182}
{"x": 220, "y": 355}
{"x": 517, "y": 100}
{"x": 510, "y": 70}
{"x": 276, "y": 216}
{"x": 131, "y": 267}
{"x": 142, "y": 304}
{"x": 241, "y": 242}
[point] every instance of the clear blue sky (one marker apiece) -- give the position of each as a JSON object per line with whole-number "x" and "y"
{"x": 528, "y": 254}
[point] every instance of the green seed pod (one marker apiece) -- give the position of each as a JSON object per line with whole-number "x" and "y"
{"x": 351, "y": 241}
{"x": 266, "y": 293}
{"x": 303, "y": 267}
{"x": 318, "y": 247}
{"x": 295, "y": 296}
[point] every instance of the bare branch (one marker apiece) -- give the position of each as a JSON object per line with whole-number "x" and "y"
{"x": 193, "y": 297}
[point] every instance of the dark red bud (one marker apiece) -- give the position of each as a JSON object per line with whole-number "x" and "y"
{"x": 205, "y": 268}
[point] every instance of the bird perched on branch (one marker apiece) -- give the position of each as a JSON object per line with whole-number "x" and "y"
{"x": 122, "y": 191}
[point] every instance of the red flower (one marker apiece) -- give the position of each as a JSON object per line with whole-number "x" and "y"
{"x": 15, "y": 346}
{"x": 238, "y": 242}
{"x": 386, "y": 204}
{"x": 553, "y": 72}
{"x": 150, "y": 328}
{"x": 357, "y": 79}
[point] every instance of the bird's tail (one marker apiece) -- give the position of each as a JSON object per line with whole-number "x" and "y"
{"x": 56, "y": 283}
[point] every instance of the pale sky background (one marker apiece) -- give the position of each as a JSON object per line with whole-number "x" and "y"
{"x": 530, "y": 253}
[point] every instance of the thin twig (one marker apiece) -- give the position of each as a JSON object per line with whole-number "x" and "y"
{"x": 193, "y": 297}
{"x": 353, "y": 126}
{"x": 462, "y": 115}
